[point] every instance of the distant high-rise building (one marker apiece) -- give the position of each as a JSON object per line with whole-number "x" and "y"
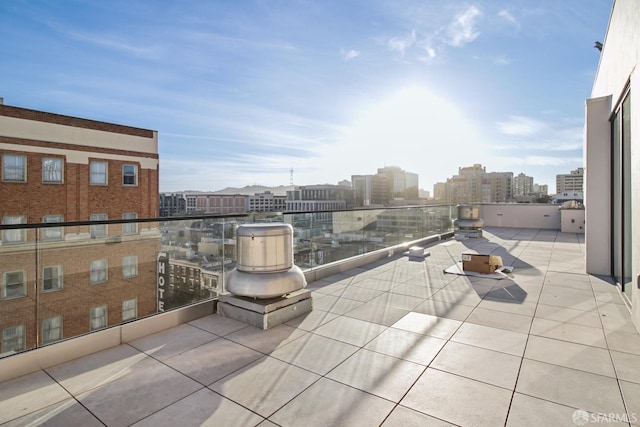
{"x": 522, "y": 185}
{"x": 474, "y": 184}
{"x": 391, "y": 184}
{"x": 440, "y": 191}
{"x": 319, "y": 198}
{"x": 570, "y": 182}
{"x": 541, "y": 189}
{"x": 362, "y": 189}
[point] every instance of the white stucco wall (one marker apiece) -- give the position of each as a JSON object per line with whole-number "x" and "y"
{"x": 617, "y": 68}
{"x": 521, "y": 215}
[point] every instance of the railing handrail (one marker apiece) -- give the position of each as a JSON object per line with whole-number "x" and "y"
{"x": 203, "y": 216}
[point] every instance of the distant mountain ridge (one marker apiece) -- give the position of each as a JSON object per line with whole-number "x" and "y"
{"x": 250, "y": 190}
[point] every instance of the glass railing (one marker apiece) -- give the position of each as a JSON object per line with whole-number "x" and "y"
{"x": 63, "y": 280}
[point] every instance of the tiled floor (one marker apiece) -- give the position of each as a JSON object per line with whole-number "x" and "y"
{"x": 397, "y": 343}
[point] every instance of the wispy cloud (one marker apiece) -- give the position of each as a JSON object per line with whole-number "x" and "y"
{"x": 348, "y": 55}
{"x": 400, "y": 44}
{"x": 509, "y": 18}
{"x": 463, "y": 28}
{"x": 542, "y": 160}
{"x": 521, "y": 126}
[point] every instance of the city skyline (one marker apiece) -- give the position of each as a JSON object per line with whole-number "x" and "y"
{"x": 240, "y": 94}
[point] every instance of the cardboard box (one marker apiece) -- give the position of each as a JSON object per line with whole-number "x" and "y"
{"x": 481, "y": 263}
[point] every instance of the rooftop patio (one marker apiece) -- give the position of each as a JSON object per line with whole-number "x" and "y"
{"x": 396, "y": 343}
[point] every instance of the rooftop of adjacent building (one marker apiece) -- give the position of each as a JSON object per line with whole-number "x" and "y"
{"x": 393, "y": 342}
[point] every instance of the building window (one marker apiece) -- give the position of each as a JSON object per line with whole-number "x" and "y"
{"x": 98, "y": 317}
{"x": 14, "y": 284}
{"x": 52, "y": 170}
{"x": 52, "y": 278}
{"x": 13, "y": 339}
{"x": 51, "y": 329}
{"x": 98, "y": 271}
{"x": 52, "y": 233}
{"x": 132, "y": 227}
{"x": 130, "y": 309}
{"x": 99, "y": 173}
{"x": 17, "y": 235}
{"x": 14, "y": 168}
{"x": 99, "y": 230}
{"x": 129, "y": 175}
{"x": 130, "y": 266}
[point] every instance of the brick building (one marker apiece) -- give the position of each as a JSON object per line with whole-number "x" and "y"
{"x": 56, "y": 168}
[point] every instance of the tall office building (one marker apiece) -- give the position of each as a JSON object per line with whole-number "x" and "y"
{"x": 571, "y": 182}
{"x": 522, "y": 185}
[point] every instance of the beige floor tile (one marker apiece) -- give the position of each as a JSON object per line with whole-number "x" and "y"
{"x": 405, "y": 302}
{"x": 376, "y": 373}
{"x": 522, "y": 308}
{"x": 96, "y": 369}
{"x": 427, "y": 324}
{"x": 631, "y": 394}
{"x": 168, "y": 343}
{"x": 29, "y": 393}
{"x": 266, "y": 341}
{"x": 571, "y": 387}
{"x": 328, "y": 403}
{"x": 334, "y": 304}
{"x": 202, "y": 408}
{"x": 66, "y": 413}
{"x": 407, "y": 345}
{"x": 500, "y": 319}
{"x": 315, "y": 353}
{"x": 570, "y": 355}
{"x": 569, "y": 298}
{"x": 568, "y": 332}
{"x": 458, "y": 400}
{"x": 357, "y": 293}
{"x": 444, "y": 309}
{"x": 569, "y": 315}
{"x": 265, "y": 385}
{"x": 212, "y": 361}
{"x": 415, "y": 290}
{"x": 464, "y": 298}
{"x": 352, "y": 331}
{"x": 405, "y": 417}
{"x": 627, "y": 366}
{"x": 479, "y": 364}
{"x": 491, "y": 338}
{"x": 531, "y": 411}
{"x": 310, "y": 321}
{"x": 381, "y": 314}
{"x": 218, "y": 325}
{"x": 138, "y": 395}
{"x": 627, "y": 342}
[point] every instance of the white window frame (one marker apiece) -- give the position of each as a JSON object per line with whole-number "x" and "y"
{"x": 129, "y": 309}
{"x": 130, "y": 266}
{"x": 99, "y": 230}
{"x": 52, "y": 233}
{"x": 13, "y": 334}
{"x": 55, "y": 278}
{"x": 132, "y": 227}
{"x": 127, "y": 175}
{"x": 14, "y": 236}
{"x": 98, "y": 317}
{"x": 98, "y": 271}
{"x": 21, "y": 284}
{"x": 98, "y": 177}
{"x": 52, "y": 329}
{"x": 52, "y": 170}
{"x": 13, "y": 171}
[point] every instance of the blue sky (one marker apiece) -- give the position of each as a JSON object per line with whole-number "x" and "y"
{"x": 243, "y": 91}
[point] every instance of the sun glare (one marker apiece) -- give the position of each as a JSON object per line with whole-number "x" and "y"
{"x": 412, "y": 128}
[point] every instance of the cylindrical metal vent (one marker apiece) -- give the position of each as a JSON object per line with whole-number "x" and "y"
{"x": 265, "y": 248}
{"x": 468, "y": 212}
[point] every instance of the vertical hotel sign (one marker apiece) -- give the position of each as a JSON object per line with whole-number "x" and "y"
{"x": 163, "y": 278}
